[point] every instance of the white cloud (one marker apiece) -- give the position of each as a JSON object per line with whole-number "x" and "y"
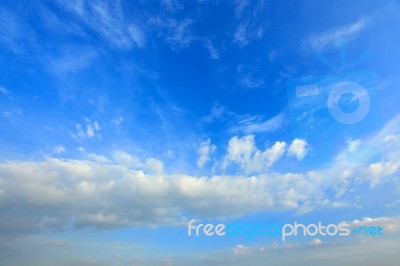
{"x": 166, "y": 262}
{"x": 256, "y": 124}
{"x": 177, "y": 33}
{"x": 389, "y": 225}
{"x": 98, "y": 158}
{"x": 353, "y": 144}
{"x": 393, "y": 204}
{"x": 72, "y": 60}
{"x": 172, "y": 5}
{"x": 240, "y": 36}
{"x": 7, "y": 114}
{"x": 126, "y": 159}
{"x": 251, "y": 27}
{"x": 217, "y": 113}
{"x": 169, "y": 154}
{"x": 86, "y": 131}
{"x": 53, "y": 192}
{"x": 249, "y": 77}
{"x": 274, "y": 153}
{"x": 243, "y": 152}
{"x": 211, "y": 49}
{"x": 357, "y": 253}
{"x": 137, "y": 35}
{"x": 59, "y": 149}
{"x": 377, "y": 172}
{"x": 135, "y": 192}
{"x": 337, "y": 35}
{"x": 243, "y": 35}
{"x": 118, "y": 121}
{"x": 240, "y": 6}
{"x": 316, "y": 242}
{"x": 241, "y": 250}
{"x": 298, "y": 148}
{"x": 204, "y": 151}
{"x": 155, "y": 166}
{"x": 130, "y": 161}
{"x": 3, "y": 90}
{"x": 109, "y": 21}
{"x": 57, "y": 190}
{"x": 16, "y": 33}
{"x": 392, "y": 138}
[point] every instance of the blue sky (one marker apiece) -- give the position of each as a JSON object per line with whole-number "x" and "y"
{"x": 122, "y": 120}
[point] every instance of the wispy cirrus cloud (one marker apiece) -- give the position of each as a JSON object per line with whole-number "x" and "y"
{"x": 337, "y": 35}
{"x": 109, "y": 21}
{"x": 16, "y": 34}
{"x": 72, "y": 59}
{"x": 240, "y": 6}
{"x": 3, "y": 90}
{"x": 172, "y": 5}
{"x": 244, "y": 34}
{"x": 249, "y": 77}
{"x": 218, "y": 112}
{"x": 177, "y": 33}
{"x": 214, "y": 53}
{"x": 251, "y": 25}
{"x": 257, "y": 124}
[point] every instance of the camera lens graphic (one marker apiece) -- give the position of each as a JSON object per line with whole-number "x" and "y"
{"x": 358, "y": 92}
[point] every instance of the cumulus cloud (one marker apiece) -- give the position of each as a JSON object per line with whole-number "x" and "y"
{"x": 356, "y": 253}
{"x": 124, "y": 191}
{"x": 126, "y": 159}
{"x": 98, "y": 158}
{"x": 59, "y": 149}
{"x": 241, "y": 250}
{"x": 52, "y": 193}
{"x": 86, "y": 131}
{"x": 204, "y": 151}
{"x": 376, "y": 172}
{"x": 316, "y": 242}
{"x": 130, "y": 161}
{"x": 243, "y": 152}
{"x": 298, "y": 148}
{"x": 389, "y": 224}
{"x": 155, "y": 166}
